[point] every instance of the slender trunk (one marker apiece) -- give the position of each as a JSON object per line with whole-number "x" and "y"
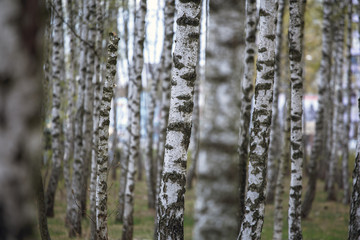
{"x": 338, "y": 99}
{"x": 346, "y": 138}
{"x": 149, "y": 144}
{"x": 57, "y": 78}
{"x": 171, "y": 198}
{"x": 247, "y": 95}
{"x": 96, "y": 110}
{"x": 135, "y": 92}
{"x": 74, "y": 213}
{"x": 296, "y": 27}
{"x": 165, "y": 75}
{"x": 88, "y": 103}
{"x": 20, "y": 115}
{"x": 102, "y": 151}
{"x": 261, "y": 120}
{"x": 275, "y": 131}
{"x": 125, "y": 156}
{"x": 317, "y": 151}
{"x": 219, "y": 134}
{"x": 354, "y": 223}
{"x": 71, "y": 94}
{"x": 285, "y": 156}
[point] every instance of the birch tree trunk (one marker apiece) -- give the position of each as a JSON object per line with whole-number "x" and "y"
{"x": 149, "y": 144}
{"x": 246, "y": 95}
{"x": 216, "y": 190}
{"x": 57, "y": 78}
{"x": 347, "y": 90}
{"x": 275, "y": 133}
{"x": 296, "y": 27}
{"x": 88, "y": 102}
{"x": 71, "y": 95}
{"x": 96, "y": 110}
{"x": 336, "y": 121}
{"x": 261, "y": 120}
{"x": 138, "y": 62}
{"x": 285, "y": 156}
{"x": 165, "y": 75}
{"x": 74, "y": 213}
{"x": 354, "y": 223}
{"x": 125, "y": 156}
{"x": 317, "y": 151}
{"x": 102, "y": 152}
{"x": 171, "y": 198}
{"x": 166, "y": 87}
{"x": 20, "y": 115}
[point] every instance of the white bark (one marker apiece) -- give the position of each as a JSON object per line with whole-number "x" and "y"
{"x": 70, "y": 118}
{"x": 285, "y": 156}
{"x": 57, "y": 79}
{"x": 275, "y": 133}
{"x": 217, "y": 199}
{"x": 296, "y": 147}
{"x": 102, "y": 152}
{"x": 138, "y": 62}
{"x": 354, "y": 223}
{"x": 347, "y": 90}
{"x": 246, "y": 98}
{"x": 96, "y": 109}
{"x": 171, "y": 198}
{"x": 74, "y": 213}
{"x": 261, "y": 119}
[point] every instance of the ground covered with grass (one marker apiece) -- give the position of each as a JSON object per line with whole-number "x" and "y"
{"x": 327, "y": 221}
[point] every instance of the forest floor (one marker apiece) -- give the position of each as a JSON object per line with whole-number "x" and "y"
{"x": 327, "y": 220}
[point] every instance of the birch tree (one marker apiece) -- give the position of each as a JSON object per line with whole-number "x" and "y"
{"x": 167, "y": 62}
{"x": 135, "y": 90}
{"x": 96, "y": 110}
{"x": 149, "y": 144}
{"x": 246, "y": 96}
{"x": 216, "y": 191}
{"x": 347, "y": 110}
{"x": 57, "y": 79}
{"x": 71, "y": 94}
{"x": 354, "y": 223}
{"x": 319, "y": 138}
{"x": 102, "y": 152}
{"x": 20, "y": 115}
{"x": 275, "y": 133}
{"x": 74, "y": 210}
{"x": 295, "y": 36}
{"x": 285, "y": 156}
{"x": 171, "y": 198}
{"x": 165, "y": 75}
{"x": 261, "y": 120}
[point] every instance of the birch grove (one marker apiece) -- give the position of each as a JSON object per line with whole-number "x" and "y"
{"x": 251, "y": 92}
